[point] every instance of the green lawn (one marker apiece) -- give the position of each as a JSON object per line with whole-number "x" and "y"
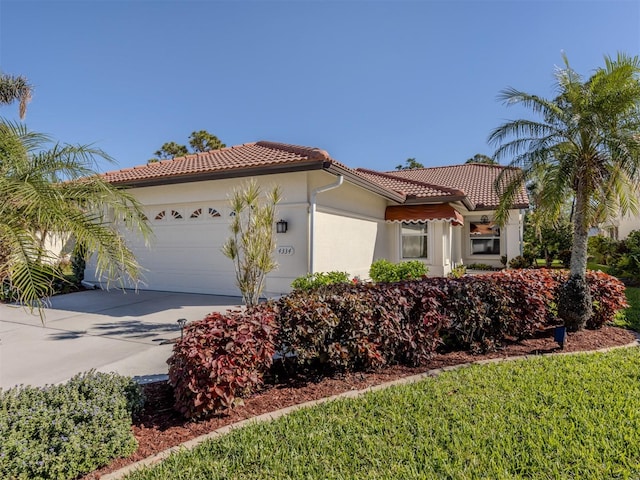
{"x": 631, "y": 317}
{"x": 554, "y": 417}
{"x": 541, "y": 262}
{"x": 598, "y": 266}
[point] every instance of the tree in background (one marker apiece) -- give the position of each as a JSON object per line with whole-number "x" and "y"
{"x": 252, "y": 243}
{"x": 588, "y": 143}
{"x": 49, "y": 189}
{"x": 480, "y": 158}
{"x": 409, "y": 164}
{"x": 548, "y": 232}
{"x": 200, "y": 141}
{"x": 547, "y": 240}
{"x": 15, "y": 88}
{"x": 171, "y": 150}
{"x": 203, "y": 141}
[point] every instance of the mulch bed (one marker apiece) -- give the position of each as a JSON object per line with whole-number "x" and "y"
{"x": 159, "y": 427}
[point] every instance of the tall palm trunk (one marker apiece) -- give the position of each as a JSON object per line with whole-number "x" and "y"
{"x": 574, "y": 306}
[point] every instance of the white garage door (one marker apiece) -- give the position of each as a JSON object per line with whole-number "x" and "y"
{"x": 185, "y": 253}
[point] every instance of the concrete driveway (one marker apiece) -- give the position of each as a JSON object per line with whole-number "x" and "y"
{"x": 110, "y": 331}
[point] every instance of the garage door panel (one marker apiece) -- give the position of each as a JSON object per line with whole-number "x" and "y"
{"x": 209, "y": 282}
{"x": 185, "y": 255}
{"x": 198, "y": 258}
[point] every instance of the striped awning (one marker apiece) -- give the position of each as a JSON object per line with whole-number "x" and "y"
{"x": 423, "y": 213}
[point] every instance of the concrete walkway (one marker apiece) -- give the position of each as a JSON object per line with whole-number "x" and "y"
{"x": 104, "y": 330}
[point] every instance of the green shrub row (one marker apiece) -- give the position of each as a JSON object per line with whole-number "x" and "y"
{"x": 66, "y": 430}
{"x": 384, "y": 271}
{"x": 356, "y": 326}
{"x": 622, "y": 256}
{"x": 320, "y": 279}
{"x": 380, "y": 271}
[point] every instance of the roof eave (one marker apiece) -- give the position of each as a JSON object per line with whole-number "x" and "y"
{"x": 517, "y": 206}
{"x": 359, "y": 181}
{"x": 222, "y": 174}
{"x": 469, "y": 205}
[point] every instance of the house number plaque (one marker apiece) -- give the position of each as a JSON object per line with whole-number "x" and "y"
{"x": 285, "y": 250}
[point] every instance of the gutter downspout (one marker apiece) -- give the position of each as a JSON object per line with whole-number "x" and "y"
{"x": 312, "y": 215}
{"x": 521, "y": 231}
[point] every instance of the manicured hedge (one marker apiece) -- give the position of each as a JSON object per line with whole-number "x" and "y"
{"x": 366, "y": 326}
{"x": 486, "y": 310}
{"x": 64, "y": 431}
{"x": 351, "y": 327}
{"x": 361, "y": 326}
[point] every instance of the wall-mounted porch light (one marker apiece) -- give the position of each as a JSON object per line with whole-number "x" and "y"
{"x": 282, "y": 226}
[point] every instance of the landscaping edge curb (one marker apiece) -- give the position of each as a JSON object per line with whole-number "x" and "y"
{"x": 190, "y": 444}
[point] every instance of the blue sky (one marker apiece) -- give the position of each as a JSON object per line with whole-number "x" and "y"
{"x": 371, "y": 82}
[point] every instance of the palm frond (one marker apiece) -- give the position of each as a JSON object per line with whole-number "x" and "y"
{"x": 55, "y": 189}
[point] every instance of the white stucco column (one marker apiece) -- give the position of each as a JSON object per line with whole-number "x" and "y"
{"x": 512, "y": 235}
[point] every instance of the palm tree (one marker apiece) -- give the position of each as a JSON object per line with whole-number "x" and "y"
{"x": 587, "y": 143}
{"x": 50, "y": 190}
{"x": 15, "y": 88}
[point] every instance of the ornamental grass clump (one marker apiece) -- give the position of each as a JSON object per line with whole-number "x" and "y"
{"x": 66, "y": 430}
{"x": 252, "y": 243}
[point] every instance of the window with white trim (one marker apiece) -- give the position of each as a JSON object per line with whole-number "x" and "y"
{"x": 414, "y": 240}
{"x": 485, "y": 238}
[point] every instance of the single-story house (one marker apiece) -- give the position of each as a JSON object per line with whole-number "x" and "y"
{"x": 337, "y": 218}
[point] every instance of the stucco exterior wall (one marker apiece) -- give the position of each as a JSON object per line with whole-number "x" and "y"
{"x": 350, "y": 231}
{"x": 628, "y": 224}
{"x": 185, "y": 253}
{"x": 345, "y": 243}
{"x": 191, "y": 223}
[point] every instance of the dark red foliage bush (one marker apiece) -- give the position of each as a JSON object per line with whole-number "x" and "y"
{"x": 361, "y": 326}
{"x": 607, "y": 294}
{"x": 486, "y": 310}
{"x": 341, "y": 327}
{"x": 221, "y": 359}
{"x": 347, "y": 327}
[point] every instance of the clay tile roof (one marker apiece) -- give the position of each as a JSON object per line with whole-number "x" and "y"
{"x": 241, "y": 157}
{"x": 474, "y": 179}
{"x": 409, "y": 187}
{"x": 471, "y": 183}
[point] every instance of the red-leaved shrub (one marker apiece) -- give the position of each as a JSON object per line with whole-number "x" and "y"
{"x": 607, "y": 294}
{"x": 351, "y": 327}
{"x": 361, "y": 326}
{"x": 221, "y": 359}
{"x": 487, "y": 310}
{"x": 342, "y": 327}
